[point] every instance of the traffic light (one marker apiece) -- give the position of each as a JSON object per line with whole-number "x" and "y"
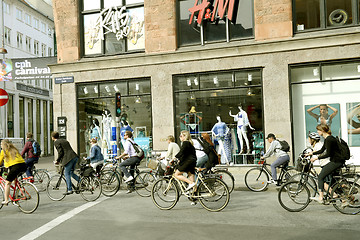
{"x": 118, "y": 104}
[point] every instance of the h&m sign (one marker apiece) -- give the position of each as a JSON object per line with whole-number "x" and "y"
{"x": 212, "y": 9}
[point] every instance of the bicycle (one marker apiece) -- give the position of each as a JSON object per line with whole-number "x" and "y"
{"x": 40, "y": 179}
{"x": 89, "y": 186}
{"x": 212, "y": 193}
{"x": 294, "y": 196}
{"x": 24, "y": 194}
{"x": 257, "y": 178}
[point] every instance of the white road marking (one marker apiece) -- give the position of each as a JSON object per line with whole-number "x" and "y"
{"x": 57, "y": 221}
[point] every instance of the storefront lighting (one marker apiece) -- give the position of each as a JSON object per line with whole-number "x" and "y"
{"x": 249, "y": 92}
{"x": 138, "y": 99}
{"x": 358, "y": 68}
{"x": 137, "y": 87}
{"x": 86, "y": 90}
{"x": 249, "y": 77}
{"x": 196, "y": 82}
{"x": 316, "y": 72}
{"x": 107, "y": 89}
{"x": 192, "y": 96}
{"x": 116, "y": 88}
{"x": 233, "y": 79}
{"x": 96, "y": 89}
{"x": 188, "y": 82}
{"x": 216, "y": 80}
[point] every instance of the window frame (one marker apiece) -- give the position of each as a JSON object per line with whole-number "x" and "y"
{"x": 19, "y": 40}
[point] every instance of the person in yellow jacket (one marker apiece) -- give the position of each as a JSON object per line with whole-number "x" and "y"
{"x": 14, "y": 162}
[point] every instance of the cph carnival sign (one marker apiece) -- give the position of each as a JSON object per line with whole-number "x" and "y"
{"x": 212, "y": 9}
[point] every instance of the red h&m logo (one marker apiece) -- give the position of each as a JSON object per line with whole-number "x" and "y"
{"x": 219, "y": 5}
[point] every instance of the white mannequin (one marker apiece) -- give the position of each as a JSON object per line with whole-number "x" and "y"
{"x": 242, "y": 123}
{"x": 107, "y": 127}
{"x": 219, "y": 131}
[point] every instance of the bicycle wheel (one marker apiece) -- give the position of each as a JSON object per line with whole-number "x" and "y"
{"x": 294, "y": 196}
{"x": 213, "y": 194}
{"x": 348, "y": 199}
{"x": 227, "y": 177}
{"x": 143, "y": 183}
{"x": 2, "y": 196}
{"x": 28, "y": 197}
{"x": 256, "y": 179}
{"x": 90, "y": 188}
{"x": 164, "y": 194}
{"x": 56, "y": 188}
{"x": 41, "y": 179}
{"x": 310, "y": 183}
{"x": 110, "y": 183}
{"x": 288, "y": 173}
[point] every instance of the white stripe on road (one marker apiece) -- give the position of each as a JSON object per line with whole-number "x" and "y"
{"x": 57, "y": 221}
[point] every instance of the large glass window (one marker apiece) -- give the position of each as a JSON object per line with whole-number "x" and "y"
{"x": 119, "y": 28}
{"x": 209, "y": 29}
{"x": 10, "y": 116}
{"x": 22, "y": 117}
{"x": 30, "y": 116}
{"x": 38, "y": 120}
{"x": 317, "y": 14}
{"x": 96, "y": 104}
{"x": 235, "y": 96}
{"x": 331, "y": 98}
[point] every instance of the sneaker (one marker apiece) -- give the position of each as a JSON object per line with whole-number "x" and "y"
{"x": 191, "y": 185}
{"x": 316, "y": 199}
{"x": 193, "y": 203}
{"x": 68, "y": 192}
{"x": 272, "y": 181}
{"x": 129, "y": 179}
{"x": 129, "y": 190}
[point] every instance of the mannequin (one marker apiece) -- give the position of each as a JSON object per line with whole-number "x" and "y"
{"x": 107, "y": 126}
{"x": 125, "y": 127}
{"x": 242, "y": 123}
{"x": 95, "y": 130}
{"x": 221, "y": 133}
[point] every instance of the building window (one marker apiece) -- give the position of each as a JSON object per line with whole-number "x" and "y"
{"x": 320, "y": 14}
{"x": 43, "y": 27}
{"x": 19, "y": 40}
{"x": 6, "y": 7}
{"x": 134, "y": 111}
{"x": 10, "y": 116}
{"x": 36, "y": 47}
{"x": 36, "y": 24}
{"x": 27, "y": 19}
{"x": 19, "y": 15}
{"x": 50, "y": 32}
{"x": 211, "y": 28}
{"x": 43, "y": 50}
{"x": 200, "y": 97}
{"x": 50, "y": 51}
{"x": 331, "y": 87}
{"x": 28, "y": 44}
{"x": 102, "y": 38}
{"x": 7, "y": 36}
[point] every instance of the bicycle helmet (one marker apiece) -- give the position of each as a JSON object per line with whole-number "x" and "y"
{"x": 314, "y": 136}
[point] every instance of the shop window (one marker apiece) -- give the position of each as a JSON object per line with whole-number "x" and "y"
{"x": 197, "y": 109}
{"x": 30, "y": 116}
{"x": 10, "y": 116}
{"x": 208, "y": 29}
{"x": 332, "y": 99}
{"x": 100, "y": 35}
{"x": 135, "y": 114}
{"x": 22, "y": 117}
{"x": 320, "y": 14}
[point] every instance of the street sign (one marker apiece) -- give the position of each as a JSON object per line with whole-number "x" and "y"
{"x": 4, "y": 97}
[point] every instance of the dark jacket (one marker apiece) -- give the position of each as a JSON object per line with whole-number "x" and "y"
{"x": 187, "y": 153}
{"x": 332, "y": 150}
{"x": 28, "y": 150}
{"x": 96, "y": 154}
{"x": 65, "y": 152}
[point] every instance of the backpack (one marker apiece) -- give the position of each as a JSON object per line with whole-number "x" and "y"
{"x": 138, "y": 150}
{"x": 205, "y": 145}
{"x": 284, "y": 145}
{"x": 343, "y": 148}
{"x": 36, "y": 148}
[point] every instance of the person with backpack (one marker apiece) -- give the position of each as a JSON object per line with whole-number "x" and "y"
{"x": 278, "y": 150}
{"x": 209, "y": 149}
{"x": 32, "y": 152}
{"x": 332, "y": 151}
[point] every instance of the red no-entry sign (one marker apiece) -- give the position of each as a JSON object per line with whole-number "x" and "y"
{"x": 4, "y": 97}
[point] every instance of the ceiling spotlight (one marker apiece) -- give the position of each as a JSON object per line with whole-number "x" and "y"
{"x": 107, "y": 88}
{"x": 358, "y": 68}
{"x": 137, "y": 87}
{"x": 116, "y": 88}
{"x": 249, "y": 77}
{"x": 86, "y": 90}
{"x": 138, "y": 99}
{"x": 249, "y": 92}
{"x": 188, "y": 82}
{"x": 96, "y": 89}
{"x": 216, "y": 80}
{"x": 192, "y": 96}
{"x": 316, "y": 72}
{"x": 196, "y": 82}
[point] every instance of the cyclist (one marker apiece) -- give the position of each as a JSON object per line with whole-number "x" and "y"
{"x": 173, "y": 147}
{"x": 68, "y": 159}
{"x": 31, "y": 159}
{"x": 96, "y": 157}
{"x": 331, "y": 150}
{"x": 187, "y": 160}
{"x": 14, "y": 162}
{"x": 282, "y": 157}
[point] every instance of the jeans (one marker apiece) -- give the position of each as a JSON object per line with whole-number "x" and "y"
{"x": 29, "y": 165}
{"x": 279, "y": 161}
{"x": 200, "y": 162}
{"x": 69, "y": 172}
{"x": 129, "y": 162}
{"x": 325, "y": 171}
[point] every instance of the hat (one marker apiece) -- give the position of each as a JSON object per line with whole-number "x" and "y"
{"x": 271, "y": 135}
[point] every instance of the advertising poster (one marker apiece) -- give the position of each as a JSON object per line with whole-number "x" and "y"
{"x": 32, "y": 68}
{"x": 328, "y": 114}
{"x": 353, "y": 123}
{"x": 6, "y": 68}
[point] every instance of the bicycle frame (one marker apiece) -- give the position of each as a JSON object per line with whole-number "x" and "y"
{"x": 14, "y": 186}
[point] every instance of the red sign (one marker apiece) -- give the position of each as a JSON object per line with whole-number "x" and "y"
{"x": 4, "y": 97}
{"x": 219, "y": 7}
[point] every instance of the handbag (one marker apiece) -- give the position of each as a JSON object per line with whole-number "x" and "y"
{"x": 139, "y": 152}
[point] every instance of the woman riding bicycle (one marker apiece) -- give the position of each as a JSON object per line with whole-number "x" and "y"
{"x": 14, "y": 162}
{"x": 331, "y": 150}
{"x": 187, "y": 157}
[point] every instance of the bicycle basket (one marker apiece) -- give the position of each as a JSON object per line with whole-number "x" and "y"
{"x": 348, "y": 169}
{"x": 86, "y": 171}
{"x": 302, "y": 164}
{"x": 153, "y": 163}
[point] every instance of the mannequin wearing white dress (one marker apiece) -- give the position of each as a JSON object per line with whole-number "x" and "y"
{"x": 242, "y": 123}
{"x": 107, "y": 127}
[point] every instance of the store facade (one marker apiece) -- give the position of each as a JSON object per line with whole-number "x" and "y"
{"x": 183, "y": 71}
